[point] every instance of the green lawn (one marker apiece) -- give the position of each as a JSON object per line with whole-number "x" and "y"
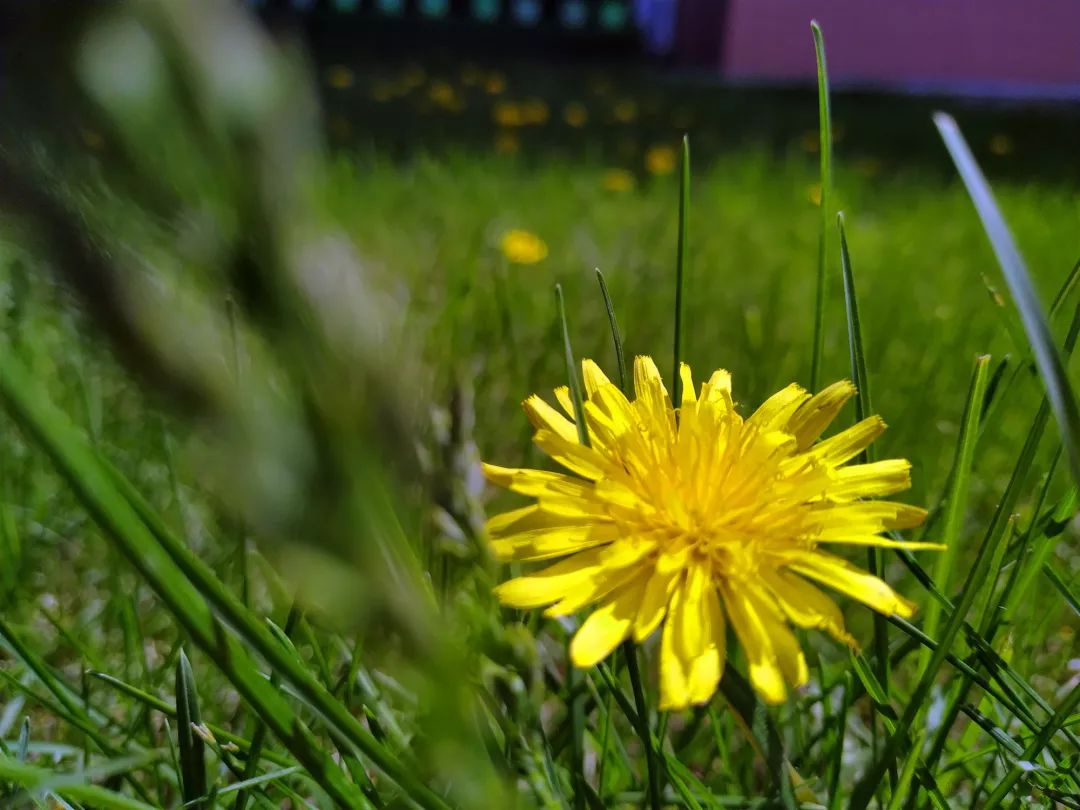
{"x": 300, "y": 382}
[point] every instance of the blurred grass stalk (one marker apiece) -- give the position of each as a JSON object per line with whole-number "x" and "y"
{"x": 212, "y": 133}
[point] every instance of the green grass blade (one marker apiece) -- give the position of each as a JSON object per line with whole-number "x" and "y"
{"x": 1047, "y": 359}
{"x": 33, "y": 779}
{"x": 907, "y": 773}
{"x": 574, "y": 678}
{"x": 629, "y": 650}
{"x": 155, "y": 557}
{"x": 190, "y": 745}
{"x": 22, "y": 745}
{"x": 866, "y": 787}
{"x": 1066, "y": 288}
{"x": 825, "y": 151}
{"x": 860, "y": 377}
{"x": 680, "y": 270}
{"x": 1071, "y": 599}
{"x": 1031, "y": 753}
{"x": 616, "y": 336}
{"x": 957, "y": 496}
{"x": 742, "y": 699}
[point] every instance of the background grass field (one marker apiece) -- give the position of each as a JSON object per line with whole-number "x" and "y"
{"x": 418, "y": 185}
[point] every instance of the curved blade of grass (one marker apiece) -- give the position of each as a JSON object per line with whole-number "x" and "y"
{"x": 574, "y": 682}
{"x": 33, "y": 779}
{"x": 167, "y": 565}
{"x": 616, "y": 336}
{"x": 190, "y": 745}
{"x": 680, "y": 270}
{"x": 629, "y": 651}
{"x": 1051, "y": 369}
{"x": 957, "y": 496}
{"x": 866, "y": 787}
{"x": 1031, "y": 753}
{"x": 740, "y": 696}
{"x": 825, "y": 152}
{"x": 860, "y": 377}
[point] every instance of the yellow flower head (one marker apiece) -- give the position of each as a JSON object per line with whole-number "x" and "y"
{"x": 339, "y": 77}
{"x": 575, "y": 114}
{"x": 660, "y": 160}
{"x": 1001, "y": 144}
{"x": 508, "y": 114}
{"x": 698, "y": 518}
{"x": 618, "y": 180}
{"x": 626, "y": 111}
{"x": 522, "y": 247}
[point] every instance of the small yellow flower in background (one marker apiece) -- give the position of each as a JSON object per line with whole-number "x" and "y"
{"x": 813, "y": 193}
{"x": 508, "y": 114}
{"x": 575, "y": 114}
{"x": 1001, "y": 144}
{"x": 811, "y": 141}
{"x": 522, "y": 247}
{"x": 444, "y": 96}
{"x": 618, "y": 180}
{"x": 626, "y": 111}
{"x": 495, "y": 84}
{"x": 339, "y": 77}
{"x": 507, "y": 142}
{"x": 699, "y": 518}
{"x": 660, "y": 160}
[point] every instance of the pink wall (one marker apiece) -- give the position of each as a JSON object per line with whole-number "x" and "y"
{"x": 928, "y": 41}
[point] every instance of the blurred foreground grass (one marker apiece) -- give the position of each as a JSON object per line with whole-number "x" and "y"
{"x": 317, "y": 348}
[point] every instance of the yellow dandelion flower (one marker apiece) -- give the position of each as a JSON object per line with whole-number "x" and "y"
{"x": 618, "y": 180}
{"x": 660, "y": 160}
{"x": 626, "y": 111}
{"x": 443, "y": 95}
{"x": 508, "y": 114}
{"x": 339, "y": 77}
{"x": 495, "y": 84}
{"x": 1001, "y": 144}
{"x": 700, "y": 518}
{"x": 575, "y": 114}
{"x": 522, "y": 247}
{"x": 507, "y": 142}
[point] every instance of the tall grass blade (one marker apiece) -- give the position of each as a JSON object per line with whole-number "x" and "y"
{"x": 33, "y": 780}
{"x": 1058, "y": 389}
{"x": 825, "y": 152}
{"x": 680, "y": 269}
{"x": 189, "y": 744}
{"x": 574, "y": 679}
{"x": 957, "y": 496}
{"x": 860, "y": 376}
{"x": 1031, "y": 753}
{"x": 642, "y": 725}
{"x": 866, "y": 787}
{"x": 616, "y": 336}
{"x": 166, "y": 564}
